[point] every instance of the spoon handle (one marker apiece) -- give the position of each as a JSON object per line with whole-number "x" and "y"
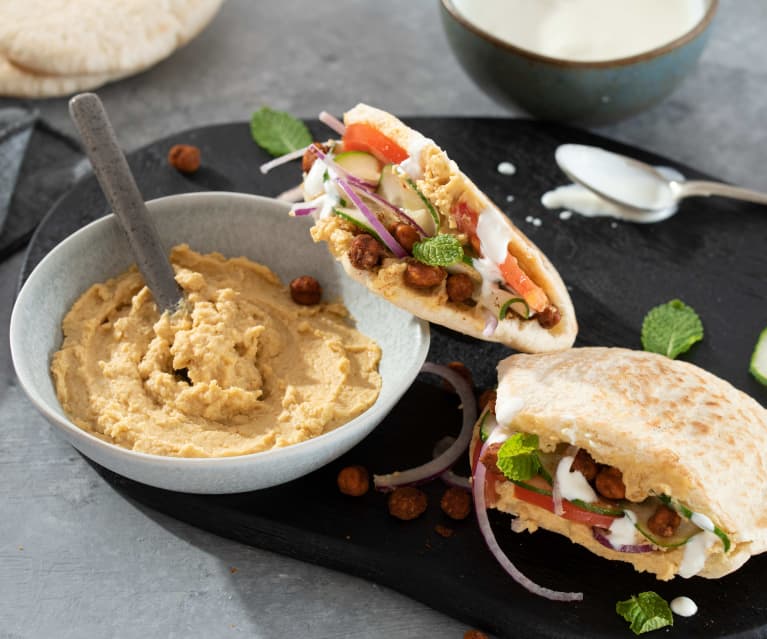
{"x": 122, "y": 193}
{"x": 705, "y": 188}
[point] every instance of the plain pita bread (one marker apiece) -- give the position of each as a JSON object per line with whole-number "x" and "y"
{"x": 17, "y": 82}
{"x": 97, "y": 37}
{"x": 669, "y": 426}
{"x": 444, "y": 184}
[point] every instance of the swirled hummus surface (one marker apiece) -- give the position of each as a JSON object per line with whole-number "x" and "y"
{"x": 240, "y": 369}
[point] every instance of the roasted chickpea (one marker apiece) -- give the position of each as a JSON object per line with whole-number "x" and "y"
{"x": 456, "y": 503}
{"x": 353, "y": 481}
{"x": 366, "y": 252}
{"x": 184, "y": 158}
{"x": 609, "y": 483}
{"x": 306, "y": 290}
{"x": 407, "y": 502}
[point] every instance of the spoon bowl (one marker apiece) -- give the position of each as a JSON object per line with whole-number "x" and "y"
{"x": 635, "y": 185}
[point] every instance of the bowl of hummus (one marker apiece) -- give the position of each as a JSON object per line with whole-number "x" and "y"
{"x": 244, "y": 386}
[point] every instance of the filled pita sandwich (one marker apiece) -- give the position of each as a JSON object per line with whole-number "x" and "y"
{"x": 632, "y": 455}
{"x": 403, "y": 220}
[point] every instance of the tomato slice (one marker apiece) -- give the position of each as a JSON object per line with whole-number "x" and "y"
{"x": 571, "y": 512}
{"x": 364, "y": 137}
{"x": 522, "y": 284}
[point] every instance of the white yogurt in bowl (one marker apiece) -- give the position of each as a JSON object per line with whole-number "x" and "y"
{"x": 585, "y": 30}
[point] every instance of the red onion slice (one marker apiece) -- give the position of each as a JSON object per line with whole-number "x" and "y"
{"x": 491, "y": 323}
{"x": 332, "y": 122}
{"x": 283, "y": 159}
{"x": 480, "y": 507}
{"x": 395, "y": 209}
{"x": 600, "y": 534}
{"x": 378, "y": 227}
{"x": 301, "y": 211}
{"x": 449, "y": 477}
{"x": 438, "y": 465}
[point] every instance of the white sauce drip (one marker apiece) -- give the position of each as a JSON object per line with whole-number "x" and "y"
{"x": 695, "y": 553}
{"x": 585, "y": 29}
{"x": 506, "y": 408}
{"x": 572, "y": 484}
{"x": 412, "y": 164}
{"x": 683, "y": 606}
{"x": 494, "y": 235}
{"x": 507, "y": 168}
{"x": 702, "y": 521}
{"x": 622, "y": 530}
{"x": 313, "y": 181}
{"x": 578, "y": 199}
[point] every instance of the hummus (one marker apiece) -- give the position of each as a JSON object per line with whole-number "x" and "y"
{"x": 240, "y": 369}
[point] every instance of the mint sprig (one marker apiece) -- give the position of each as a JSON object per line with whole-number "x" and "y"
{"x": 278, "y": 132}
{"x": 645, "y": 612}
{"x": 440, "y": 250}
{"x": 518, "y": 457}
{"x": 671, "y": 329}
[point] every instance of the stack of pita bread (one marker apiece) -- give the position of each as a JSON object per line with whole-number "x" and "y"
{"x": 58, "y": 47}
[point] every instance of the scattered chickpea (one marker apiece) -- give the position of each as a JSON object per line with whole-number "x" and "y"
{"x": 184, "y": 158}
{"x": 407, "y": 502}
{"x": 456, "y": 503}
{"x": 353, "y": 481}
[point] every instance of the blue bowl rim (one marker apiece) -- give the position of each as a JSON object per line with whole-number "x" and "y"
{"x": 689, "y": 36}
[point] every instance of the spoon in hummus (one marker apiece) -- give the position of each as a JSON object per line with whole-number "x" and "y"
{"x": 120, "y": 189}
{"x": 630, "y": 183}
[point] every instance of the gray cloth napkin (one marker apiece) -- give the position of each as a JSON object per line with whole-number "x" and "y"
{"x": 37, "y": 165}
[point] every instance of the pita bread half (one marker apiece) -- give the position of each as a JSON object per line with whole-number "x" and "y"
{"x": 18, "y": 82}
{"x": 444, "y": 185}
{"x": 94, "y": 37}
{"x": 671, "y": 428}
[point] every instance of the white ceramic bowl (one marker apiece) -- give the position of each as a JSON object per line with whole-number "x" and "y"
{"x": 233, "y": 224}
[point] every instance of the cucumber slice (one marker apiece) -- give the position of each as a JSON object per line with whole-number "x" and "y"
{"x": 687, "y": 514}
{"x": 531, "y": 488}
{"x": 361, "y": 165}
{"x": 353, "y": 216}
{"x": 758, "y": 366}
{"x": 647, "y": 509}
{"x": 403, "y": 193}
{"x": 599, "y": 508}
{"x": 484, "y": 432}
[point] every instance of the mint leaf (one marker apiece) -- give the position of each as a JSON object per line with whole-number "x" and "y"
{"x": 440, "y": 250}
{"x": 518, "y": 457}
{"x": 645, "y": 612}
{"x": 278, "y": 132}
{"x": 671, "y": 329}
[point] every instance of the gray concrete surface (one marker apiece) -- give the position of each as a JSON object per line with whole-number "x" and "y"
{"x": 76, "y": 559}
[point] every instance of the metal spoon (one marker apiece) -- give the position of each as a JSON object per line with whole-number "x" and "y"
{"x": 634, "y": 184}
{"x": 119, "y": 187}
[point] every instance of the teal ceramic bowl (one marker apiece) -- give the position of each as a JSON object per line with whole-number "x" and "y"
{"x": 573, "y": 91}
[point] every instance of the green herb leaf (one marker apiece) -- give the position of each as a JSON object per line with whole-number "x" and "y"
{"x": 645, "y": 612}
{"x": 440, "y": 250}
{"x": 278, "y": 132}
{"x": 518, "y": 457}
{"x": 671, "y": 329}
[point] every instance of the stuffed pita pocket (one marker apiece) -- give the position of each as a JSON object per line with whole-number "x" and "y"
{"x": 637, "y": 457}
{"x": 403, "y": 220}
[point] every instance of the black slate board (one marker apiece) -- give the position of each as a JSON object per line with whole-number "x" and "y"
{"x": 711, "y": 254}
